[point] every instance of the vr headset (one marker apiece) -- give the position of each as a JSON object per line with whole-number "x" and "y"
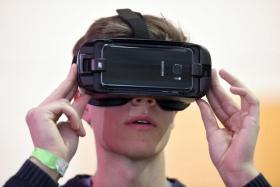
{"x": 139, "y": 66}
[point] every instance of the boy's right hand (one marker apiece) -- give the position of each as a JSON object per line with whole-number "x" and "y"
{"x": 60, "y": 138}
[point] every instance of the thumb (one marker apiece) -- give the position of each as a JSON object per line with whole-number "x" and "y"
{"x": 70, "y": 138}
{"x": 208, "y": 117}
{"x": 80, "y": 102}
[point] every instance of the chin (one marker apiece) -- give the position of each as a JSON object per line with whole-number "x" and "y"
{"x": 137, "y": 150}
{"x": 136, "y": 145}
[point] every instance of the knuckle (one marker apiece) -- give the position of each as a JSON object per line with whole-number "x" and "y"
{"x": 65, "y": 102}
{"x": 69, "y": 81}
{"x": 32, "y": 115}
{"x": 72, "y": 81}
{"x": 254, "y": 97}
{"x": 256, "y": 100}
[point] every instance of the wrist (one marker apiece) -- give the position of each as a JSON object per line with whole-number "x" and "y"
{"x": 238, "y": 178}
{"x": 49, "y": 162}
{"x": 52, "y": 173}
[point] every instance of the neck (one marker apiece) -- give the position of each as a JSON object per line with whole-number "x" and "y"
{"x": 115, "y": 170}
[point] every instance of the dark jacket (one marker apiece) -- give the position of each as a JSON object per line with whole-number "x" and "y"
{"x": 30, "y": 175}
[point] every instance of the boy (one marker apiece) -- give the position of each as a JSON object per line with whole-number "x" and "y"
{"x": 130, "y": 137}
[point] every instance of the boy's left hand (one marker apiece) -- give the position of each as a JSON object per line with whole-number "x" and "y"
{"x": 232, "y": 147}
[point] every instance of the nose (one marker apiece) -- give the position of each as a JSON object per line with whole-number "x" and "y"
{"x": 150, "y": 101}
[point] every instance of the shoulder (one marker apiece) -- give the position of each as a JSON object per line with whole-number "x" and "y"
{"x": 175, "y": 182}
{"x": 79, "y": 180}
{"x": 85, "y": 181}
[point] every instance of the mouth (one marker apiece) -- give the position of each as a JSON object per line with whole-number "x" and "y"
{"x": 143, "y": 121}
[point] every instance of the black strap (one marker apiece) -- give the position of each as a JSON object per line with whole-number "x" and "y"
{"x": 109, "y": 101}
{"x": 170, "y": 105}
{"x": 135, "y": 22}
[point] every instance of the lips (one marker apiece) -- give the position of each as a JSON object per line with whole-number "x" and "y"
{"x": 141, "y": 121}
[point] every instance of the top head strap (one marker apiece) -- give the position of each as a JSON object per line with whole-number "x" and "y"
{"x": 135, "y": 22}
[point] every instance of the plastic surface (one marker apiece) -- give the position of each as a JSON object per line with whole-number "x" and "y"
{"x": 92, "y": 68}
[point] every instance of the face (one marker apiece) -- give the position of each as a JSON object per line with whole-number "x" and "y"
{"x": 138, "y": 129}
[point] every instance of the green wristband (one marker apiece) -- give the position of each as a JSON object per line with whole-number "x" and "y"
{"x": 50, "y": 160}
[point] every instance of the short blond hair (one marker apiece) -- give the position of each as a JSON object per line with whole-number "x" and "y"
{"x": 114, "y": 27}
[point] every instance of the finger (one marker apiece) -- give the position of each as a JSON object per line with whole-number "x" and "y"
{"x": 216, "y": 106}
{"x": 238, "y": 88}
{"x": 229, "y": 78}
{"x": 208, "y": 117}
{"x": 80, "y": 103}
{"x": 223, "y": 102}
{"x": 70, "y": 139}
{"x": 250, "y": 98}
{"x": 247, "y": 100}
{"x": 72, "y": 92}
{"x": 63, "y": 106}
{"x": 65, "y": 87}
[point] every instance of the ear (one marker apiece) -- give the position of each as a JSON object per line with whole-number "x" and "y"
{"x": 86, "y": 114}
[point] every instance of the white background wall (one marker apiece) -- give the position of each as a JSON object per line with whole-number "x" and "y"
{"x": 36, "y": 39}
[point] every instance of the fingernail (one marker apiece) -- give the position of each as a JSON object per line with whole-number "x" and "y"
{"x": 83, "y": 132}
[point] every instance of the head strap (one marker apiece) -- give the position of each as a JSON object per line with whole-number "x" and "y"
{"x": 136, "y": 23}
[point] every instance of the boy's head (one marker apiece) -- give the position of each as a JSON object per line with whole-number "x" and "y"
{"x": 139, "y": 128}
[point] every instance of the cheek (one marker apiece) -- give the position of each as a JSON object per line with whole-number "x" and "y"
{"x": 96, "y": 121}
{"x": 167, "y": 121}
{"x": 167, "y": 117}
{"x": 109, "y": 126}
{"x": 113, "y": 117}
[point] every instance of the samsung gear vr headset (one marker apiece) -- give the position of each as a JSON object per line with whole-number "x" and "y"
{"x": 174, "y": 73}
